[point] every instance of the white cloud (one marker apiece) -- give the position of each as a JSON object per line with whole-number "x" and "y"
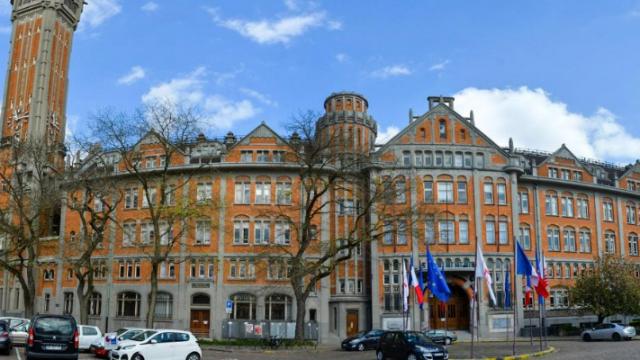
{"x": 291, "y": 4}
{"x": 439, "y": 66}
{"x": 222, "y": 77}
{"x": 259, "y": 96}
{"x": 342, "y": 57}
{"x": 387, "y": 134}
{"x": 97, "y": 12}
{"x": 281, "y": 30}
{"x": 149, "y": 7}
{"x": 136, "y": 73}
{"x": 334, "y": 25}
{"x": 189, "y": 90}
{"x": 71, "y": 127}
{"x": 390, "y": 71}
{"x": 534, "y": 120}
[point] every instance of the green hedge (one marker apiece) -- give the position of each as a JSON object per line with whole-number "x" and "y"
{"x": 286, "y": 343}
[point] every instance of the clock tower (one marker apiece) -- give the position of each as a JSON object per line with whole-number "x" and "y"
{"x": 35, "y": 91}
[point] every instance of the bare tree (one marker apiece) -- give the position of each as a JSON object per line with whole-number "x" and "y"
{"x": 149, "y": 143}
{"x": 332, "y": 177}
{"x": 93, "y": 198}
{"x": 29, "y": 210}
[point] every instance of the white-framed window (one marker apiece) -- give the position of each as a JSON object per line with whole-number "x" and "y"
{"x": 203, "y": 232}
{"x": 283, "y": 233}
{"x": 150, "y": 198}
{"x": 608, "y": 210}
{"x": 203, "y": 193}
{"x": 553, "y": 238}
{"x": 387, "y": 237}
{"x": 523, "y": 201}
{"x": 503, "y": 233}
{"x": 246, "y": 156}
{"x": 131, "y": 198}
{"x": 402, "y": 232}
{"x": 525, "y": 237}
{"x": 446, "y": 232}
{"x": 147, "y": 233}
{"x": 263, "y": 192}
{"x": 429, "y": 230}
{"x": 490, "y": 231}
{"x": 569, "y": 240}
{"x": 566, "y": 174}
{"x": 633, "y": 244}
{"x": 406, "y": 158}
{"x": 428, "y": 191}
{"x": 166, "y": 234}
{"x": 167, "y": 270}
{"x": 278, "y": 156}
{"x": 401, "y": 191}
{"x": 631, "y": 214}
{"x": 150, "y": 162}
{"x": 283, "y": 193}
{"x": 418, "y": 159}
{"x": 457, "y": 160}
{"x": 241, "y": 231}
{"x": 559, "y": 298}
{"x": 585, "y": 241}
{"x": 242, "y": 268}
{"x": 170, "y": 195}
{"x": 583, "y": 208}
{"x": 488, "y": 193}
{"x": 242, "y": 193}
{"x": 262, "y": 231}
{"x": 445, "y": 192}
{"x": 502, "y": 193}
{"x": 262, "y": 156}
{"x": 463, "y": 231}
{"x": 278, "y": 269}
{"x": 577, "y": 175}
{"x": 68, "y": 303}
{"x": 128, "y": 233}
{"x": 551, "y": 204}
{"x": 610, "y": 242}
{"x": 553, "y": 173}
{"x": 567, "y": 206}
{"x": 462, "y": 192}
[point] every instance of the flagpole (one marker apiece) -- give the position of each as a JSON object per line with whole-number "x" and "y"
{"x": 515, "y": 312}
{"x": 474, "y": 302}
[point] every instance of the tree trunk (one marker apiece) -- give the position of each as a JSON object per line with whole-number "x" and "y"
{"x": 30, "y": 294}
{"x": 152, "y": 295}
{"x": 601, "y": 318}
{"x": 301, "y": 311}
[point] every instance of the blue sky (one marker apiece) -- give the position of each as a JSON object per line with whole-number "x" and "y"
{"x": 542, "y": 72}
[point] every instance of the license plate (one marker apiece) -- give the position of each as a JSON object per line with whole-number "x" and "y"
{"x": 53, "y": 347}
{"x": 437, "y": 354}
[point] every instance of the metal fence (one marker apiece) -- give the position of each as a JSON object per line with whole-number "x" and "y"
{"x": 252, "y": 329}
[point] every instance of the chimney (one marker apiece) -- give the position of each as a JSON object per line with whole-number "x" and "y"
{"x": 436, "y": 100}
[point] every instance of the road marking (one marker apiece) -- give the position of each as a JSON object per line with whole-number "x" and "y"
{"x": 18, "y": 353}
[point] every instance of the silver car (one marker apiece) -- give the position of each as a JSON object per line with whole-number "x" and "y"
{"x": 19, "y": 333}
{"x": 610, "y": 331}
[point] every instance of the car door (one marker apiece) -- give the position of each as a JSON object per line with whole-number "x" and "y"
{"x": 386, "y": 344}
{"x": 159, "y": 347}
{"x": 600, "y": 331}
{"x": 399, "y": 347}
{"x": 87, "y": 335}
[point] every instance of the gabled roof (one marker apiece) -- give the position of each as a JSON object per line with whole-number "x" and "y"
{"x": 564, "y": 152}
{"x": 635, "y": 167}
{"x": 263, "y": 131}
{"x": 439, "y": 109}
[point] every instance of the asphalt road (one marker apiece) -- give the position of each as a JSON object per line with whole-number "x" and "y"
{"x": 565, "y": 350}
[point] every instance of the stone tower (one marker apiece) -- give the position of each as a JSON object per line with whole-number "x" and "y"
{"x": 35, "y": 92}
{"x": 346, "y": 118}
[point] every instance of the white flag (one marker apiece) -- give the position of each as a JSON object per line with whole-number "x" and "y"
{"x": 483, "y": 272}
{"x": 405, "y": 289}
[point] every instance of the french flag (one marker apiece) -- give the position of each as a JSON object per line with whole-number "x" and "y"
{"x": 416, "y": 285}
{"x": 527, "y": 293}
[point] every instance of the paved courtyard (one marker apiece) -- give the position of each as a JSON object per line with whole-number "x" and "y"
{"x": 573, "y": 349}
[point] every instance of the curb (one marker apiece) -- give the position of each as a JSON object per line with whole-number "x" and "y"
{"x": 521, "y": 357}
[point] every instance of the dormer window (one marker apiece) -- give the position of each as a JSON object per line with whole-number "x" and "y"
{"x": 553, "y": 172}
{"x": 577, "y": 175}
{"x": 443, "y": 129}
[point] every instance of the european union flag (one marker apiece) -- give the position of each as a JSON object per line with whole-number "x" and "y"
{"x": 507, "y": 290}
{"x": 436, "y": 281}
{"x": 421, "y": 282}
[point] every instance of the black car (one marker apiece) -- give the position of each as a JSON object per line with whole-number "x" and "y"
{"x": 409, "y": 345}
{"x": 5, "y": 340}
{"x": 364, "y": 340}
{"x": 53, "y": 337}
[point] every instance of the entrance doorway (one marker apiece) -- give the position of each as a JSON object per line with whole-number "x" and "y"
{"x": 200, "y": 322}
{"x": 200, "y": 315}
{"x": 352, "y": 322}
{"x": 454, "y": 315}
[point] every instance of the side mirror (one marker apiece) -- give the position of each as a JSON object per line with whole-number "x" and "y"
{"x": 119, "y": 338}
{"x": 153, "y": 341}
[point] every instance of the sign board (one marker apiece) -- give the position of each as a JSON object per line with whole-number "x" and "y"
{"x": 229, "y": 307}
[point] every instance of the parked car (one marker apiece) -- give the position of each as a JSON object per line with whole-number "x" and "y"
{"x": 19, "y": 333}
{"x": 88, "y": 334}
{"x": 13, "y": 321}
{"x": 410, "y": 345}
{"x": 53, "y": 337}
{"x": 102, "y": 346}
{"x": 159, "y": 345}
{"x": 609, "y": 331}
{"x": 5, "y": 340}
{"x": 364, "y": 340}
{"x": 442, "y": 336}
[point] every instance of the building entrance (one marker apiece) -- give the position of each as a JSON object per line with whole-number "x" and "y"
{"x": 454, "y": 315}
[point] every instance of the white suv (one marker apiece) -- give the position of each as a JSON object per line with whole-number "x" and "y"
{"x": 159, "y": 345}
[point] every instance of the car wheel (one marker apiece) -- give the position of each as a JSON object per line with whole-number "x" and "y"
{"x": 380, "y": 355}
{"x": 137, "y": 357}
{"x": 411, "y": 357}
{"x": 586, "y": 337}
{"x": 447, "y": 341}
{"x": 193, "y": 356}
{"x": 616, "y": 337}
{"x": 361, "y": 347}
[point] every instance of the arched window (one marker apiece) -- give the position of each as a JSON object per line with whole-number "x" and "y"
{"x": 461, "y": 190}
{"x": 241, "y": 230}
{"x": 569, "y": 236}
{"x": 582, "y": 206}
{"x": 551, "y": 203}
{"x": 607, "y": 209}
{"x": 277, "y": 307}
{"x": 498, "y": 273}
{"x": 567, "y": 204}
{"x": 633, "y": 244}
{"x": 244, "y": 307}
{"x": 164, "y": 305}
{"x": 448, "y": 263}
{"x": 610, "y": 242}
{"x": 95, "y": 304}
{"x": 553, "y": 238}
{"x": 457, "y": 263}
{"x": 488, "y": 191}
{"x": 128, "y": 304}
{"x": 262, "y": 231}
{"x": 442, "y": 129}
{"x": 440, "y": 263}
{"x": 585, "y": 240}
{"x": 201, "y": 300}
{"x": 467, "y": 262}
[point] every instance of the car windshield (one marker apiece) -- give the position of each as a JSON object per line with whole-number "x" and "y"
{"x": 121, "y": 331}
{"x": 143, "y": 335}
{"x": 415, "y": 337}
{"x": 54, "y": 326}
{"x": 360, "y": 334}
{"x": 130, "y": 334}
